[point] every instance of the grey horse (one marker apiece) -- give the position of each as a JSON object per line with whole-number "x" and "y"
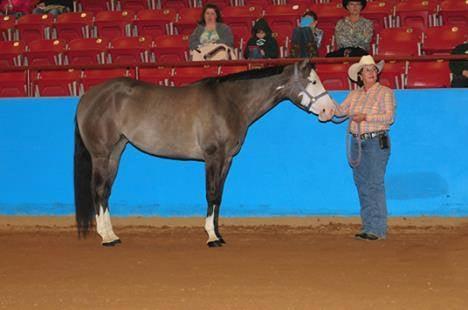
{"x": 205, "y": 121}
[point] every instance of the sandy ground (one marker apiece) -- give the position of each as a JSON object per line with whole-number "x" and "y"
{"x": 282, "y": 263}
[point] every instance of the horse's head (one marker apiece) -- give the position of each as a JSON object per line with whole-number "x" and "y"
{"x": 306, "y": 91}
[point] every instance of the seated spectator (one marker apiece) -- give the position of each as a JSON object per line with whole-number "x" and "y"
{"x": 353, "y": 33}
{"x": 459, "y": 68}
{"x": 261, "y": 44}
{"x": 16, "y": 7}
{"x": 306, "y": 38}
{"x": 54, "y": 7}
{"x": 210, "y": 29}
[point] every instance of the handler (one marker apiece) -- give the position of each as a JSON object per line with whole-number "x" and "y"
{"x": 371, "y": 109}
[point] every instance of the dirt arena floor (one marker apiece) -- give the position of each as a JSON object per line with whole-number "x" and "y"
{"x": 283, "y": 263}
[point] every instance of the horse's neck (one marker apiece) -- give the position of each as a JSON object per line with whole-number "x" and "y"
{"x": 259, "y": 96}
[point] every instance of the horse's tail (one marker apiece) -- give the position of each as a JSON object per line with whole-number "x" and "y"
{"x": 84, "y": 207}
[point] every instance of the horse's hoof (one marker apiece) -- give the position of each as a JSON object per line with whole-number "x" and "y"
{"x": 112, "y": 243}
{"x": 221, "y": 240}
{"x": 214, "y": 244}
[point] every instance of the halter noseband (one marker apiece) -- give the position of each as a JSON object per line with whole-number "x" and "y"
{"x": 298, "y": 84}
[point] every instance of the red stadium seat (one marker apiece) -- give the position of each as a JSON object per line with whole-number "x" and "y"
{"x": 398, "y": 42}
{"x": 393, "y": 75}
{"x": 226, "y": 70}
{"x": 240, "y": 38}
{"x": 13, "y": 84}
{"x": 284, "y": 17}
{"x": 171, "y": 48}
{"x": 45, "y": 52}
{"x": 442, "y": 39}
{"x": 114, "y": 24}
{"x": 134, "y": 5}
{"x": 74, "y": 25}
{"x": 188, "y": 75}
{"x": 418, "y": 15}
{"x": 428, "y": 75}
{"x": 159, "y": 76}
{"x": 380, "y": 13}
{"x": 94, "y": 6}
{"x": 283, "y": 37}
{"x": 175, "y": 4}
{"x": 7, "y": 28}
{"x": 91, "y": 78}
{"x": 188, "y": 19}
{"x": 260, "y": 3}
{"x": 32, "y": 27}
{"x": 87, "y": 51}
{"x": 454, "y": 13}
{"x": 329, "y": 14}
{"x": 56, "y": 83}
{"x": 155, "y": 22}
{"x": 11, "y": 53}
{"x": 130, "y": 50}
{"x": 334, "y": 76}
{"x": 241, "y": 18}
{"x": 327, "y": 40}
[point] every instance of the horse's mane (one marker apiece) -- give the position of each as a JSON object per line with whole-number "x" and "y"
{"x": 248, "y": 75}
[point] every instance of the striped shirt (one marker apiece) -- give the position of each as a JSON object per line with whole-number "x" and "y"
{"x": 378, "y": 103}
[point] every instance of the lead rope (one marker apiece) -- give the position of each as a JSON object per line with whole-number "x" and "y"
{"x": 354, "y": 163}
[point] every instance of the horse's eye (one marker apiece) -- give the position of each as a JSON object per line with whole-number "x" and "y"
{"x": 314, "y": 82}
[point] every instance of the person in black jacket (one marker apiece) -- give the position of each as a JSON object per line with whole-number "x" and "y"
{"x": 306, "y": 38}
{"x": 459, "y": 68}
{"x": 261, "y": 44}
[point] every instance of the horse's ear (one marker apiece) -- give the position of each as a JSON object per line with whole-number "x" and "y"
{"x": 304, "y": 64}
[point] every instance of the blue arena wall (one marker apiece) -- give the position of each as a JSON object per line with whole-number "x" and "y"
{"x": 290, "y": 165}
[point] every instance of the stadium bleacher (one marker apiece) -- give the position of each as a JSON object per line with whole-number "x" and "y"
{"x": 128, "y": 33}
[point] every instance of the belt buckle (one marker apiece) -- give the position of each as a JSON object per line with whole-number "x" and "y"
{"x": 365, "y": 136}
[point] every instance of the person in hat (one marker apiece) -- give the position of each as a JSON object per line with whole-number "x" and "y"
{"x": 371, "y": 109}
{"x": 306, "y": 38}
{"x": 353, "y": 33}
{"x": 261, "y": 44}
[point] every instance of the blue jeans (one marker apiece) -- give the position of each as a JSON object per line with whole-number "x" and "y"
{"x": 369, "y": 179}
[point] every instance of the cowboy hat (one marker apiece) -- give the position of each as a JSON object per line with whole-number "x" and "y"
{"x": 363, "y": 3}
{"x": 365, "y": 60}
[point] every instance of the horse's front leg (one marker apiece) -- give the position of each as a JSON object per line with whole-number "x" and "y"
{"x": 217, "y": 167}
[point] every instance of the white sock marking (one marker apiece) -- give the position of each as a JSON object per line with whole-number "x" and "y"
{"x": 209, "y": 226}
{"x": 104, "y": 226}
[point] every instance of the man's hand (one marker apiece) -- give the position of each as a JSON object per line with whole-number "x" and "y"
{"x": 359, "y": 117}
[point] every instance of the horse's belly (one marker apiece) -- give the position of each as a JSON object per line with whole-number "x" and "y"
{"x": 182, "y": 147}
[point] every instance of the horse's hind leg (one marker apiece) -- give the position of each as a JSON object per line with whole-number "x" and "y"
{"x": 217, "y": 167}
{"x": 103, "y": 175}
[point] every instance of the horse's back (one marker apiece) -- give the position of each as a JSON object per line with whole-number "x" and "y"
{"x": 165, "y": 121}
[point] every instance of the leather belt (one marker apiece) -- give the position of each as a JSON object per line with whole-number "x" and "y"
{"x": 371, "y": 135}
